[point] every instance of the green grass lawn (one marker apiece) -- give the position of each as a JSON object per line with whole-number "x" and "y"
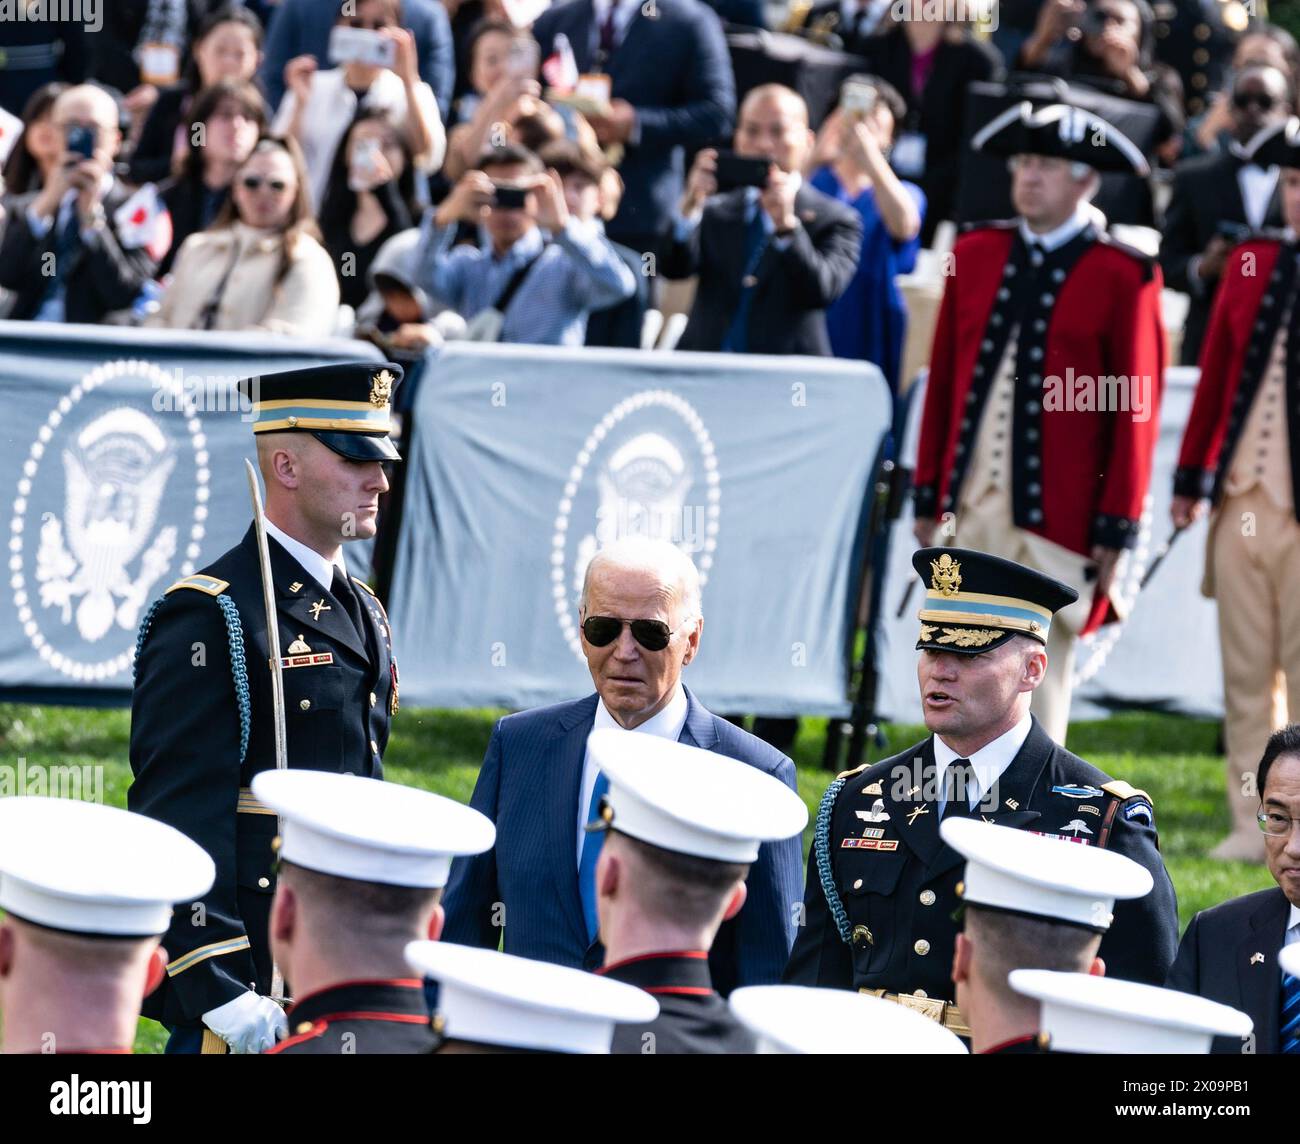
{"x": 1171, "y": 758}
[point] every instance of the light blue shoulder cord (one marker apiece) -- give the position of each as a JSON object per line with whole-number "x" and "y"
{"x": 821, "y": 847}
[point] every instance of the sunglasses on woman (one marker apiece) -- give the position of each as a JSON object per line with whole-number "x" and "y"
{"x": 1261, "y": 99}
{"x": 255, "y": 183}
{"x": 601, "y": 631}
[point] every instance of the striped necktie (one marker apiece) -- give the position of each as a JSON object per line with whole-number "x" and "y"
{"x": 1290, "y": 1039}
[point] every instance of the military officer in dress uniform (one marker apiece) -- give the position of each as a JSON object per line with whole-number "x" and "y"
{"x": 1197, "y": 38}
{"x": 1042, "y": 408}
{"x": 86, "y": 890}
{"x": 490, "y": 1002}
{"x": 201, "y": 715}
{"x": 1241, "y": 449}
{"x": 363, "y": 865}
{"x": 1081, "y": 1013}
{"x": 683, "y": 827}
{"x": 1027, "y": 903}
{"x": 882, "y": 883}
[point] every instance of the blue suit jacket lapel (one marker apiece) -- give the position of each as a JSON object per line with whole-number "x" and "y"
{"x": 698, "y": 730}
{"x": 580, "y": 33}
{"x": 1261, "y": 982}
{"x": 566, "y": 754}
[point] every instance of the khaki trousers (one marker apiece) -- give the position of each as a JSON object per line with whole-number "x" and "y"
{"x": 985, "y": 525}
{"x": 1255, "y": 551}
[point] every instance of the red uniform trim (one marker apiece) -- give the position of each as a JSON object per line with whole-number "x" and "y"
{"x": 315, "y": 1031}
{"x": 681, "y": 990}
{"x": 1007, "y": 1044}
{"x": 699, "y": 954}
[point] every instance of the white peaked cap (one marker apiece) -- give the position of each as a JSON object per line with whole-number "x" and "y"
{"x": 801, "y": 1019}
{"x": 369, "y": 830}
{"x": 499, "y": 999}
{"x": 94, "y": 869}
{"x": 1086, "y": 1014}
{"x": 693, "y": 801}
{"x": 1027, "y": 873}
{"x": 1289, "y": 959}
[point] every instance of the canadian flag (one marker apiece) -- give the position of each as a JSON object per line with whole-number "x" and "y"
{"x": 144, "y": 221}
{"x": 560, "y": 71}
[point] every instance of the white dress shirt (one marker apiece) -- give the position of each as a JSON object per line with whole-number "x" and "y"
{"x": 667, "y": 724}
{"x": 1292, "y": 934}
{"x": 624, "y": 10}
{"x": 987, "y": 763}
{"x": 1063, "y": 233}
{"x": 321, "y": 569}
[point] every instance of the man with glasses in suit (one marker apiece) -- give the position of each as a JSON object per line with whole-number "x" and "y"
{"x": 641, "y": 623}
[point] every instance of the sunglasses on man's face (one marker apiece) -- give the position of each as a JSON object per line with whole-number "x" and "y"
{"x": 601, "y": 631}
{"x": 256, "y": 182}
{"x": 1261, "y": 99}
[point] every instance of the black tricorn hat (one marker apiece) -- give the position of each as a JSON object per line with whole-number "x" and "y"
{"x": 345, "y": 405}
{"x": 1062, "y": 131}
{"x": 975, "y": 602}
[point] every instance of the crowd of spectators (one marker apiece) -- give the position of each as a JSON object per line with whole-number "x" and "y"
{"x": 410, "y": 170}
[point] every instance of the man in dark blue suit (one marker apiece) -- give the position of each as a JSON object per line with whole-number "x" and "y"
{"x": 671, "y": 88}
{"x": 641, "y": 623}
{"x": 1230, "y": 953}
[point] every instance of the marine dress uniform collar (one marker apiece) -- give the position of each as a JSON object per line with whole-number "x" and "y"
{"x": 990, "y": 761}
{"x": 321, "y": 569}
{"x": 398, "y": 999}
{"x": 682, "y": 973}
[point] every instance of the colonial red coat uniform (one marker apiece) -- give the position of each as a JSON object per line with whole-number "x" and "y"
{"x": 1239, "y": 449}
{"x": 1078, "y": 477}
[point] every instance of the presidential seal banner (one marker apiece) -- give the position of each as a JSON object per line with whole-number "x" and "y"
{"x": 527, "y": 460}
{"x": 122, "y": 472}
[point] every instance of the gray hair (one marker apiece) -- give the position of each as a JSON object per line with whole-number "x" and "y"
{"x": 660, "y": 557}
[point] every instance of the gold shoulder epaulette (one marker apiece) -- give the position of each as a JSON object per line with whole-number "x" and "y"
{"x": 854, "y": 771}
{"x": 362, "y": 584}
{"x": 1123, "y": 791}
{"x": 209, "y": 585}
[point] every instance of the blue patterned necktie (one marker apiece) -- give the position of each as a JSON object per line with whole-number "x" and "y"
{"x": 591, "y": 848}
{"x": 1290, "y": 1014}
{"x": 736, "y": 340}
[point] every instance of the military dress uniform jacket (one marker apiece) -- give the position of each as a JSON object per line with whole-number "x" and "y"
{"x": 360, "y": 1017}
{"x": 1258, "y": 279}
{"x": 693, "y": 1018}
{"x": 888, "y": 920}
{"x": 1091, "y": 310}
{"x": 201, "y": 727}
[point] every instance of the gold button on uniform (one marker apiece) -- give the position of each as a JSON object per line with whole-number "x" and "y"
{"x": 920, "y": 993}
{"x": 302, "y": 1027}
{"x": 373, "y": 699}
{"x": 1201, "y": 31}
{"x": 1201, "y": 56}
{"x": 305, "y": 704}
{"x": 857, "y": 883}
{"x": 927, "y": 897}
{"x": 922, "y": 947}
{"x": 263, "y": 883}
{"x": 374, "y": 746}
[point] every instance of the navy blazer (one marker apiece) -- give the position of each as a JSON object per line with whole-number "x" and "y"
{"x": 675, "y": 70}
{"x": 529, "y": 786}
{"x": 1218, "y": 958}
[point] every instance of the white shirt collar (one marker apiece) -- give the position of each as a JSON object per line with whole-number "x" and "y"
{"x": 1062, "y": 234}
{"x": 667, "y": 724}
{"x": 1293, "y": 923}
{"x": 989, "y": 761}
{"x": 322, "y": 570}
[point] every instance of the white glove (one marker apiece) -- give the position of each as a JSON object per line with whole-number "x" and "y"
{"x": 249, "y": 1023}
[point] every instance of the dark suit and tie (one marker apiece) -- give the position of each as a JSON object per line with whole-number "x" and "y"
{"x": 1229, "y": 954}
{"x": 760, "y": 292}
{"x": 1208, "y": 201}
{"x": 530, "y": 786}
{"x": 675, "y": 71}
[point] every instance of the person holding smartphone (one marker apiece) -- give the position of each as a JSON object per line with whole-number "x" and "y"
{"x": 517, "y": 285}
{"x": 74, "y": 225}
{"x": 375, "y": 68}
{"x": 868, "y": 322}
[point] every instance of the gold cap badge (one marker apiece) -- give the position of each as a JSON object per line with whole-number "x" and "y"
{"x": 947, "y": 575}
{"x": 381, "y": 388}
